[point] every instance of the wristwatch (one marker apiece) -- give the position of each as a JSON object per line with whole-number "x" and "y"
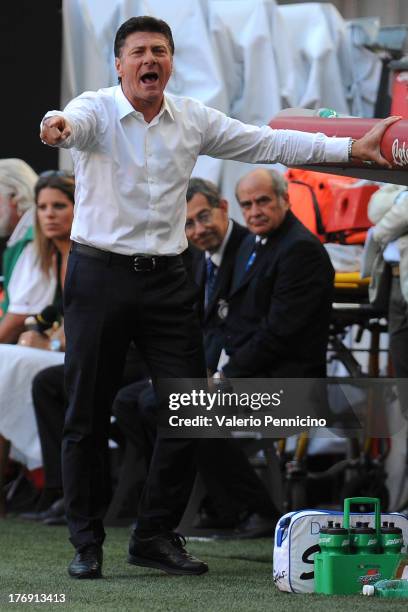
{"x": 350, "y": 148}
{"x": 55, "y": 344}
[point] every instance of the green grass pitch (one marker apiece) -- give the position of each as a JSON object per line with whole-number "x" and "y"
{"x": 34, "y": 558}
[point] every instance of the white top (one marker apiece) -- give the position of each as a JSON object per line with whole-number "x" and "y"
{"x": 132, "y": 176}
{"x": 29, "y": 289}
{"x": 26, "y": 221}
{"x": 216, "y": 256}
{"x": 19, "y": 365}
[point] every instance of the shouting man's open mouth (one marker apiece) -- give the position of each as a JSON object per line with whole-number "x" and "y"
{"x": 149, "y": 78}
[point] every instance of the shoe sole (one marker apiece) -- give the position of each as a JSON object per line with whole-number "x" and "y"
{"x": 141, "y": 562}
{"x": 54, "y": 522}
{"x": 86, "y": 575}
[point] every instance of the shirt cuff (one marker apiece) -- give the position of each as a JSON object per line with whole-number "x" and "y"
{"x": 336, "y": 150}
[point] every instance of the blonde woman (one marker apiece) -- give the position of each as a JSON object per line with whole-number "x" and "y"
{"x": 54, "y": 208}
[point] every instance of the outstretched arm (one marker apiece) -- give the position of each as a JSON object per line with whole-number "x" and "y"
{"x": 228, "y": 138}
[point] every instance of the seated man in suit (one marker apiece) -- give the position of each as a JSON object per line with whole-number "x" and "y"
{"x": 281, "y": 295}
{"x": 217, "y": 239}
{"x": 235, "y": 492}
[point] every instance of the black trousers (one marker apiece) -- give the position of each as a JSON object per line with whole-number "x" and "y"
{"x": 50, "y": 403}
{"x": 106, "y": 305}
{"x": 232, "y": 484}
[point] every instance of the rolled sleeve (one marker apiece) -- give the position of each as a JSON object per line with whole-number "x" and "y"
{"x": 228, "y": 138}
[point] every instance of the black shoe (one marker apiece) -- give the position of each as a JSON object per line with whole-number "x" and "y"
{"x": 166, "y": 552}
{"x": 87, "y": 563}
{"x": 55, "y": 515}
{"x": 55, "y": 509}
{"x": 48, "y": 499}
{"x": 51, "y": 521}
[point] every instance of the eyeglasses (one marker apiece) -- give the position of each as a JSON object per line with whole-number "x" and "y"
{"x": 204, "y": 218}
{"x": 56, "y": 173}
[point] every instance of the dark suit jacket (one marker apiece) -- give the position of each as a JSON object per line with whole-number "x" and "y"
{"x": 212, "y": 323}
{"x": 279, "y": 310}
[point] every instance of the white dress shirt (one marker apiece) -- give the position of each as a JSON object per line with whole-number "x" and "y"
{"x": 132, "y": 176}
{"x": 216, "y": 256}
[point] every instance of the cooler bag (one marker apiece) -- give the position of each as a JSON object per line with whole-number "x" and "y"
{"x": 297, "y": 541}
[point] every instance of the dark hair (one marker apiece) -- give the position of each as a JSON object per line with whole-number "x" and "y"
{"x": 55, "y": 179}
{"x": 206, "y": 188}
{"x": 142, "y": 24}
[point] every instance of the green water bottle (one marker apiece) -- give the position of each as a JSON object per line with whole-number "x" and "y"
{"x": 352, "y": 531}
{"x": 391, "y": 538}
{"x": 364, "y": 539}
{"x": 334, "y": 539}
{"x": 323, "y": 537}
{"x": 326, "y": 113}
{"x": 387, "y": 588}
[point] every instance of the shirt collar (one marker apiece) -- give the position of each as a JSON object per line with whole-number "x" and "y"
{"x": 216, "y": 256}
{"x": 262, "y": 239}
{"x": 125, "y": 108}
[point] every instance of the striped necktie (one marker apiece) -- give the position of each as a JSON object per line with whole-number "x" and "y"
{"x": 210, "y": 280}
{"x": 253, "y": 254}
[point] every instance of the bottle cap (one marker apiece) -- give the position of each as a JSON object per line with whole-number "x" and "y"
{"x": 368, "y": 589}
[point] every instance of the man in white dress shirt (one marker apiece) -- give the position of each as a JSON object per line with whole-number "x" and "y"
{"x": 134, "y": 148}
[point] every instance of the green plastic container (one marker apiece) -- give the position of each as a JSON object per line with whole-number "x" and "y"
{"x": 344, "y": 571}
{"x": 391, "y": 589}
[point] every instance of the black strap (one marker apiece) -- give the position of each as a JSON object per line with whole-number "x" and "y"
{"x": 58, "y": 300}
{"x": 318, "y": 215}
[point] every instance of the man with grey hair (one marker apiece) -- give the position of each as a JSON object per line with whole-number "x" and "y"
{"x": 280, "y": 301}
{"x": 17, "y": 181}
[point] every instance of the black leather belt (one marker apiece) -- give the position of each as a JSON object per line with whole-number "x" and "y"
{"x": 137, "y": 262}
